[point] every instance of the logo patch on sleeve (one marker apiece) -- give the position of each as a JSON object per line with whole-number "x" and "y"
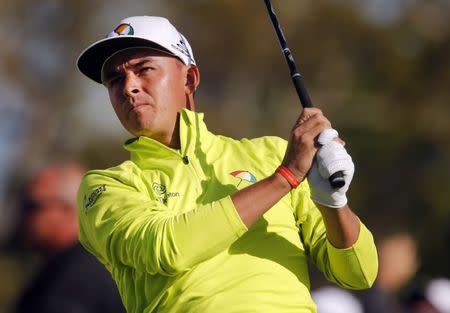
{"x": 88, "y": 202}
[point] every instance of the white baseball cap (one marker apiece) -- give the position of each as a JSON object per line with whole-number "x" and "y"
{"x": 136, "y": 31}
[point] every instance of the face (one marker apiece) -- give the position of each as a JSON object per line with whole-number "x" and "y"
{"x": 51, "y": 223}
{"x": 147, "y": 89}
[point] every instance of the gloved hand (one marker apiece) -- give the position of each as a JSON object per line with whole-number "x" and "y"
{"x": 330, "y": 158}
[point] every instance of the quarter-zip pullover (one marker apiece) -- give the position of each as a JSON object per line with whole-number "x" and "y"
{"x": 164, "y": 225}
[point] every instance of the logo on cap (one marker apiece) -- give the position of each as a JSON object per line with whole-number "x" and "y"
{"x": 124, "y": 29}
{"x": 182, "y": 47}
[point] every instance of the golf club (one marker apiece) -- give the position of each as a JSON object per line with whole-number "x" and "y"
{"x": 337, "y": 179}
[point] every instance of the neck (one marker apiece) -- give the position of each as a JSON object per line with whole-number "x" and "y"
{"x": 172, "y": 140}
{"x": 175, "y": 140}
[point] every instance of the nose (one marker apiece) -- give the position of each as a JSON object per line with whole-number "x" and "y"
{"x": 131, "y": 85}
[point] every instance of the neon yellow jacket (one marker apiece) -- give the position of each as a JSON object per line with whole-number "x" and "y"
{"x": 164, "y": 225}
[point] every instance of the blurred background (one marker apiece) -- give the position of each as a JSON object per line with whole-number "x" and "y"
{"x": 379, "y": 69}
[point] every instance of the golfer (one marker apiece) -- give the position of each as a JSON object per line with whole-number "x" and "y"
{"x": 197, "y": 222}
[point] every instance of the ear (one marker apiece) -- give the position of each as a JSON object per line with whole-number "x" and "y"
{"x": 192, "y": 80}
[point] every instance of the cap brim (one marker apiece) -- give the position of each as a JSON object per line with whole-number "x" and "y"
{"x": 91, "y": 60}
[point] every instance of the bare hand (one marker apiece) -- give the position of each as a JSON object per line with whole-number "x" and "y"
{"x": 302, "y": 145}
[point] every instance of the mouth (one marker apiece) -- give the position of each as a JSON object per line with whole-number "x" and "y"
{"x": 134, "y": 106}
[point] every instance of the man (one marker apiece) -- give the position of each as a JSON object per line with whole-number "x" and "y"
{"x": 399, "y": 262}
{"x": 195, "y": 222}
{"x": 70, "y": 280}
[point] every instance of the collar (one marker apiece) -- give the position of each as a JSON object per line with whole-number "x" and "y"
{"x": 193, "y": 134}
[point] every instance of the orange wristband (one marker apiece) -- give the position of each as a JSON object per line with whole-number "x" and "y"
{"x": 287, "y": 174}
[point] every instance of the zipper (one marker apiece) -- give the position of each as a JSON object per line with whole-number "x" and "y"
{"x": 188, "y": 163}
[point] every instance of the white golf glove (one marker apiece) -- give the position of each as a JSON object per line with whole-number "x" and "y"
{"x": 330, "y": 158}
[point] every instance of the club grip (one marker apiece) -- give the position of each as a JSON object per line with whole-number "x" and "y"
{"x": 337, "y": 180}
{"x": 300, "y": 88}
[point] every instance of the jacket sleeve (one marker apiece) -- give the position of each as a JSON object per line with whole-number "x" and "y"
{"x": 354, "y": 267}
{"x": 121, "y": 225}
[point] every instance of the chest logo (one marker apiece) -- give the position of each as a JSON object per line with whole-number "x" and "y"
{"x": 159, "y": 189}
{"x": 244, "y": 175}
{"x": 162, "y": 194}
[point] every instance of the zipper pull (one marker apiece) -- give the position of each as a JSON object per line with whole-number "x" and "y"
{"x": 185, "y": 160}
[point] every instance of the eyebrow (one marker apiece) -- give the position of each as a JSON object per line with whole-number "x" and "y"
{"x": 139, "y": 64}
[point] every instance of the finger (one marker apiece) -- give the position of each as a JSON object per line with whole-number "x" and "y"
{"x": 333, "y": 158}
{"x": 327, "y": 135}
{"x": 313, "y": 126}
{"x": 340, "y": 141}
{"x": 336, "y": 140}
{"x": 306, "y": 114}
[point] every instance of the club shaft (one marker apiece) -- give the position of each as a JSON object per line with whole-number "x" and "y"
{"x": 337, "y": 179}
{"x": 297, "y": 79}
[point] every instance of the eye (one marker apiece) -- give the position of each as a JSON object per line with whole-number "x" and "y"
{"x": 110, "y": 82}
{"x": 146, "y": 69}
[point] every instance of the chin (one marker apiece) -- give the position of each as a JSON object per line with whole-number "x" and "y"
{"x": 140, "y": 131}
{"x": 140, "y": 126}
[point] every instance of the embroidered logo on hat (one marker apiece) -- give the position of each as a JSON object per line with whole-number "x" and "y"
{"x": 182, "y": 47}
{"x": 124, "y": 29}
